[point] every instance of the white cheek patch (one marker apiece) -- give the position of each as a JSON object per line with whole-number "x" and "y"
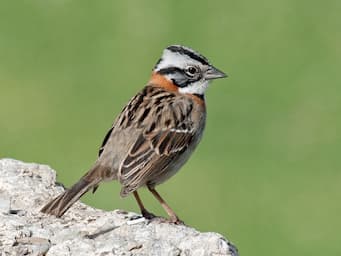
{"x": 198, "y": 87}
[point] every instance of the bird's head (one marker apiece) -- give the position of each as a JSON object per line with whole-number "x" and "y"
{"x": 189, "y": 71}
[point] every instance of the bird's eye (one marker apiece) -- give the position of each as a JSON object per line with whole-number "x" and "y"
{"x": 192, "y": 70}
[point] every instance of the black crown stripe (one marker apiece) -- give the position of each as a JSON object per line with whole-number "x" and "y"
{"x": 191, "y": 54}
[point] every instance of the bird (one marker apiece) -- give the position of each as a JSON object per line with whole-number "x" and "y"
{"x": 155, "y": 133}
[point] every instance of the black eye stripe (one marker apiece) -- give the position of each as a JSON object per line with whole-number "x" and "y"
{"x": 183, "y": 80}
{"x": 170, "y": 70}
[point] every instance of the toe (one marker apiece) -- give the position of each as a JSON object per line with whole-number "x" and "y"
{"x": 176, "y": 220}
{"x": 147, "y": 215}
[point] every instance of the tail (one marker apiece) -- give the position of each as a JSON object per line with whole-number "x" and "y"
{"x": 59, "y": 205}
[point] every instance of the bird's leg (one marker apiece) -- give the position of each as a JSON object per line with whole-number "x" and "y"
{"x": 172, "y": 216}
{"x": 144, "y": 212}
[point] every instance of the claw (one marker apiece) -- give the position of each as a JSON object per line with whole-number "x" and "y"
{"x": 175, "y": 220}
{"x": 147, "y": 215}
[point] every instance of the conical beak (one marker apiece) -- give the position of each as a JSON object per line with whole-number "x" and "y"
{"x": 214, "y": 73}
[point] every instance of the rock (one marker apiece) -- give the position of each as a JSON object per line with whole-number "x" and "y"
{"x": 83, "y": 230}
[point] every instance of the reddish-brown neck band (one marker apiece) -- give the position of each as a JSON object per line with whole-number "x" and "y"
{"x": 160, "y": 81}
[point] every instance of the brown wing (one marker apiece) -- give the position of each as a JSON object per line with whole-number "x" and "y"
{"x": 166, "y": 131}
{"x": 150, "y": 156}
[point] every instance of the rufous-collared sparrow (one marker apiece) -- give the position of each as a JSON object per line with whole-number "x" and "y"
{"x": 155, "y": 133}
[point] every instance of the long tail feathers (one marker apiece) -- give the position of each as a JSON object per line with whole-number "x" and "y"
{"x": 59, "y": 205}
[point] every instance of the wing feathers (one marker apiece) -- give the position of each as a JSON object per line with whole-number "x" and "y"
{"x": 166, "y": 129}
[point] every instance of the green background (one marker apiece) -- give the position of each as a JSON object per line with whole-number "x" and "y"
{"x": 267, "y": 173}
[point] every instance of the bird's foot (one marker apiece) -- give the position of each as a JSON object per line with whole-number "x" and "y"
{"x": 172, "y": 220}
{"x": 175, "y": 220}
{"x": 150, "y": 216}
{"x": 147, "y": 215}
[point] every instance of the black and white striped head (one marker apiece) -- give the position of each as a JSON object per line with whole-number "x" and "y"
{"x": 187, "y": 69}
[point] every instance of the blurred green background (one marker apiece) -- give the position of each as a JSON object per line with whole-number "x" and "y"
{"x": 267, "y": 173}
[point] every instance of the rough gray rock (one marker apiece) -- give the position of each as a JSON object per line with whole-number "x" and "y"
{"x": 25, "y": 187}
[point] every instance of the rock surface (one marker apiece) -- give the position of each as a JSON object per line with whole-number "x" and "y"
{"x": 25, "y": 187}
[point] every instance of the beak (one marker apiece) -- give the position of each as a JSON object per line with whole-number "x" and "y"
{"x": 214, "y": 73}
